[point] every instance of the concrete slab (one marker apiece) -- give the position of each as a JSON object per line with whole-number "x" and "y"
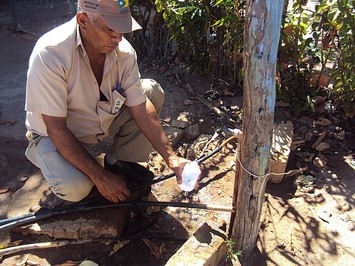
{"x": 206, "y": 246}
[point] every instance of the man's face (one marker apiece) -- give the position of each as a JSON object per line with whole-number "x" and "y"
{"x": 100, "y": 37}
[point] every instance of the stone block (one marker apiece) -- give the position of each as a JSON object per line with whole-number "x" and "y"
{"x": 206, "y": 246}
{"x": 280, "y": 150}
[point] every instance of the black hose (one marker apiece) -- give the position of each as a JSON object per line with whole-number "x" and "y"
{"x": 32, "y": 217}
{"x": 35, "y": 216}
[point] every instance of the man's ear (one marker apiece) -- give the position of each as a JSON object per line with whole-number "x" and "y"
{"x": 82, "y": 19}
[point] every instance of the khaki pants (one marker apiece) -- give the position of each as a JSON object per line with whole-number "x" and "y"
{"x": 129, "y": 144}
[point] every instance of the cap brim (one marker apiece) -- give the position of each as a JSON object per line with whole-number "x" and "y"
{"x": 122, "y": 24}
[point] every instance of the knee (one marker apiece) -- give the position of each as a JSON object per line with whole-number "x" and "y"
{"x": 72, "y": 192}
{"x": 154, "y": 92}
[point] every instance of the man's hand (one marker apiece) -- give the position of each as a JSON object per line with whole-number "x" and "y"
{"x": 112, "y": 187}
{"x": 177, "y": 164}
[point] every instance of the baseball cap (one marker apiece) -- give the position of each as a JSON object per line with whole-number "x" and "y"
{"x": 116, "y": 13}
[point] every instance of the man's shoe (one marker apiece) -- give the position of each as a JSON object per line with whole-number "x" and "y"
{"x": 133, "y": 173}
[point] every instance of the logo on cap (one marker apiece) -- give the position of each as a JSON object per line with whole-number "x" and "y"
{"x": 124, "y": 5}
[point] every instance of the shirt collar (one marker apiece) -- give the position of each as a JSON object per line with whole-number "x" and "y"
{"x": 78, "y": 37}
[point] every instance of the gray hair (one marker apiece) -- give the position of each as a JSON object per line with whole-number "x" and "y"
{"x": 91, "y": 15}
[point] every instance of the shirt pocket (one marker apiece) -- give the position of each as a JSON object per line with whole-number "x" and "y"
{"x": 118, "y": 101}
{"x": 107, "y": 110}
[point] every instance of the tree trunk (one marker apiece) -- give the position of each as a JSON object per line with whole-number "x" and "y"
{"x": 261, "y": 39}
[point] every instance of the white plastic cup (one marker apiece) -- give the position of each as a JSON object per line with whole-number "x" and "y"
{"x": 190, "y": 174}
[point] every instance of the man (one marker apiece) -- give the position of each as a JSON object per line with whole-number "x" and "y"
{"x": 83, "y": 85}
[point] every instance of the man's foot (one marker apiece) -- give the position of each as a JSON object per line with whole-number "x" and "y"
{"x": 134, "y": 174}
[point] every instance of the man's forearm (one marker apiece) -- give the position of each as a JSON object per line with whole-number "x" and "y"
{"x": 71, "y": 149}
{"x": 147, "y": 120}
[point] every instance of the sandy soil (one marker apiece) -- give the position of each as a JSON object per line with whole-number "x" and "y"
{"x": 314, "y": 227}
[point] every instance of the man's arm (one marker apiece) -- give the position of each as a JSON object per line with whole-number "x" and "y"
{"x": 109, "y": 185}
{"x": 147, "y": 120}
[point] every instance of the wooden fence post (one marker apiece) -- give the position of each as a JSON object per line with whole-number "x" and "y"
{"x": 261, "y": 40}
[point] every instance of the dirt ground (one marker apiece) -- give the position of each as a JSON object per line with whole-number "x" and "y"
{"x": 309, "y": 224}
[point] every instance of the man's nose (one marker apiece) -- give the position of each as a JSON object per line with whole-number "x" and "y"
{"x": 117, "y": 36}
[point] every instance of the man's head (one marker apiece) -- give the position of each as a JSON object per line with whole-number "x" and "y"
{"x": 115, "y": 13}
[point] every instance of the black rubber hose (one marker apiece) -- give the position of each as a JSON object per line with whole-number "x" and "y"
{"x": 35, "y": 216}
{"x": 25, "y": 219}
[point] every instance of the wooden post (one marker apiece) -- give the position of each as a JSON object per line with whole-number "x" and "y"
{"x": 261, "y": 39}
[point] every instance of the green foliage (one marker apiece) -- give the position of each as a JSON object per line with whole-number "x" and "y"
{"x": 198, "y": 25}
{"x": 316, "y": 53}
{"x": 232, "y": 252}
{"x": 320, "y": 38}
{"x": 341, "y": 18}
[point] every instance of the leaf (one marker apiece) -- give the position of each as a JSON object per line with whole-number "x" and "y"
{"x": 3, "y": 190}
{"x": 69, "y": 263}
{"x": 118, "y": 246}
{"x": 218, "y": 2}
{"x": 11, "y": 244}
{"x": 154, "y": 249}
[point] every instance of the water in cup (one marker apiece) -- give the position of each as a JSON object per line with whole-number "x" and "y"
{"x": 189, "y": 176}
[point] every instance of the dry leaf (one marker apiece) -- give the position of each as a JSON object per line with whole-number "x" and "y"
{"x": 322, "y": 146}
{"x": 154, "y": 250}
{"x": 320, "y": 161}
{"x": 3, "y": 190}
{"x": 11, "y": 244}
{"x": 323, "y": 122}
{"x": 319, "y": 140}
{"x": 228, "y": 93}
{"x": 118, "y": 246}
{"x": 69, "y": 263}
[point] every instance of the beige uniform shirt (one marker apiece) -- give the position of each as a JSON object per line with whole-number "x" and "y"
{"x": 60, "y": 83}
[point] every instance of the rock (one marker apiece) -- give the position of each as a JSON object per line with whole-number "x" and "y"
{"x": 174, "y": 135}
{"x": 179, "y": 124}
{"x": 192, "y": 131}
{"x": 304, "y": 180}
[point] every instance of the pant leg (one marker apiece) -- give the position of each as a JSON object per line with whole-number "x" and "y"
{"x": 65, "y": 181}
{"x": 129, "y": 143}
